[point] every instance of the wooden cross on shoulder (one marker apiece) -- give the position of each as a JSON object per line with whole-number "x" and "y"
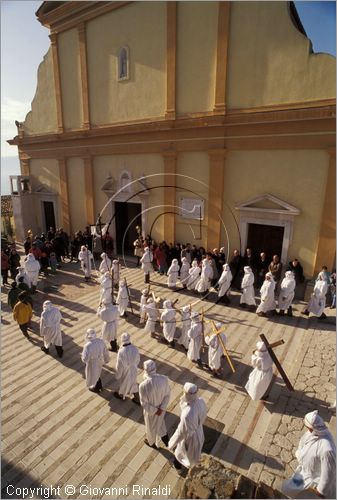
{"x": 217, "y": 332}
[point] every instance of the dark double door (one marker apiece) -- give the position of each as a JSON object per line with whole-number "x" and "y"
{"x": 263, "y": 238}
{"x": 125, "y": 229}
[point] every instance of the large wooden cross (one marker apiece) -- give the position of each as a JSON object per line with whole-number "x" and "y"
{"x": 217, "y": 332}
{"x": 276, "y": 361}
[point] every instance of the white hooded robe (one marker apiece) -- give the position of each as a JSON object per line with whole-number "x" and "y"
{"x": 122, "y": 298}
{"x": 32, "y": 269}
{"x": 261, "y": 376}
{"x": 94, "y": 355}
{"x": 287, "y": 291}
{"x": 85, "y": 257}
{"x": 225, "y": 281}
{"x": 185, "y": 326}
{"x": 146, "y": 261}
{"x": 215, "y": 350}
{"x": 126, "y": 369}
{"x": 105, "y": 265}
{"x": 189, "y": 435}
{"x": 109, "y": 315}
{"x": 154, "y": 393}
{"x": 168, "y": 317}
{"x": 195, "y": 336}
{"x": 193, "y": 276}
{"x": 316, "y": 304}
{"x": 184, "y": 271}
{"x": 247, "y": 285}
{"x": 172, "y": 274}
{"x": 50, "y": 326}
{"x": 206, "y": 276}
{"x": 267, "y": 296}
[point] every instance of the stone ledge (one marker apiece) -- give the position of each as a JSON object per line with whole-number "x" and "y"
{"x": 211, "y": 479}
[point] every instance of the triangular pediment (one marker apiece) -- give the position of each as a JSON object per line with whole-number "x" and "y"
{"x": 268, "y": 203}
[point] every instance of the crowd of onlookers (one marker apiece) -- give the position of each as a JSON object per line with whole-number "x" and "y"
{"x": 52, "y": 248}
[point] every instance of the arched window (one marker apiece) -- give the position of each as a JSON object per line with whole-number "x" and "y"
{"x": 123, "y": 64}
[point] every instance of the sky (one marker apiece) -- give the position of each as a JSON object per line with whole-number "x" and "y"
{"x": 24, "y": 42}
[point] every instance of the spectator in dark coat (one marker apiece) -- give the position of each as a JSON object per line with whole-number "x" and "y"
{"x": 14, "y": 262}
{"x": 4, "y": 267}
{"x": 261, "y": 269}
{"x": 235, "y": 265}
{"x": 296, "y": 268}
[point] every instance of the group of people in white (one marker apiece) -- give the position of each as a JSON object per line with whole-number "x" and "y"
{"x": 193, "y": 277}
{"x": 316, "y": 452}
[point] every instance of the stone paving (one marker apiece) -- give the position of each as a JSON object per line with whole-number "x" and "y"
{"x": 55, "y": 432}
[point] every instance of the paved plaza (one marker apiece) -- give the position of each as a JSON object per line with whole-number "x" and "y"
{"x": 55, "y": 432}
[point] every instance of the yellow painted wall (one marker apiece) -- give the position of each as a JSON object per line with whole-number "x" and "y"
{"x": 197, "y": 26}
{"x": 42, "y": 117}
{"x": 45, "y": 173}
{"x": 69, "y": 61}
{"x": 296, "y": 177}
{"x": 76, "y": 193}
{"x": 138, "y": 165}
{"x": 269, "y": 59}
{"x": 142, "y": 27}
{"x": 194, "y": 167}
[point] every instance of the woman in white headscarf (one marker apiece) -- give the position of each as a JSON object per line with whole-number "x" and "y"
{"x": 50, "y": 328}
{"x": 260, "y": 378}
{"x": 316, "y": 455}
{"x": 168, "y": 317}
{"x": 94, "y": 355}
{"x": 105, "y": 265}
{"x": 316, "y": 304}
{"x": 189, "y": 438}
{"x": 126, "y": 369}
{"x": 287, "y": 293}
{"x": 225, "y": 283}
{"x": 85, "y": 257}
{"x": 154, "y": 395}
{"x": 172, "y": 274}
{"x": 184, "y": 271}
{"x": 193, "y": 278}
{"x": 267, "y": 296}
{"x": 22, "y": 274}
{"x": 247, "y": 286}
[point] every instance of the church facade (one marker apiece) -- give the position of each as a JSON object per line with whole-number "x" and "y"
{"x": 211, "y": 123}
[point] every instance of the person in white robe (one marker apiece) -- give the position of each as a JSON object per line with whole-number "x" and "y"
{"x": 267, "y": 296}
{"x": 287, "y": 293}
{"x": 86, "y": 258}
{"x": 32, "y": 269}
{"x": 146, "y": 261}
{"x": 189, "y": 438}
{"x": 106, "y": 288}
{"x": 50, "y": 328}
{"x": 247, "y": 286}
{"x": 115, "y": 272}
{"x": 172, "y": 274}
{"x": 315, "y": 475}
{"x": 206, "y": 277}
{"x": 22, "y": 274}
{"x": 195, "y": 335}
{"x": 109, "y": 315}
{"x": 185, "y": 326}
{"x": 215, "y": 350}
{"x": 154, "y": 395}
{"x": 152, "y": 314}
{"x": 105, "y": 265}
{"x": 122, "y": 298}
{"x": 317, "y": 301}
{"x": 225, "y": 284}
{"x": 184, "y": 271}
{"x": 193, "y": 276}
{"x": 143, "y": 298}
{"x": 94, "y": 355}
{"x": 168, "y": 317}
{"x": 126, "y": 370}
{"x": 260, "y": 378}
